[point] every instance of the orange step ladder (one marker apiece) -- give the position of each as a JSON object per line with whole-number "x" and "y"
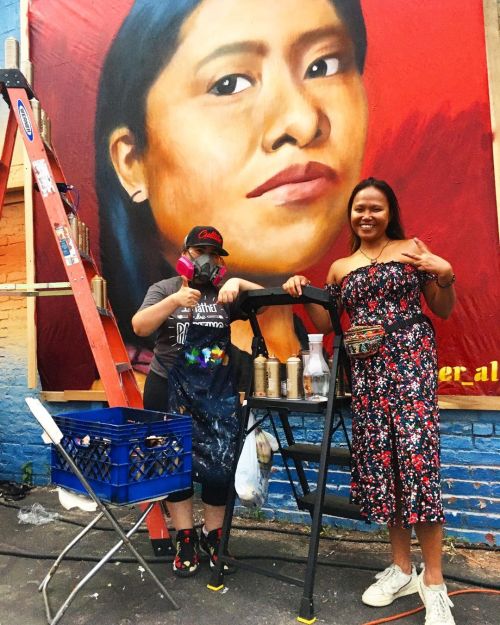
{"x": 106, "y": 344}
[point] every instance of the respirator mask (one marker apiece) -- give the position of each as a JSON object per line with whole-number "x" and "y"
{"x": 201, "y": 270}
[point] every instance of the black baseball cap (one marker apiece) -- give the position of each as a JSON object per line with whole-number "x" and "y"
{"x": 200, "y": 236}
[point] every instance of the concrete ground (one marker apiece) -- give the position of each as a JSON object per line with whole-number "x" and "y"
{"x": 121, "y": 594}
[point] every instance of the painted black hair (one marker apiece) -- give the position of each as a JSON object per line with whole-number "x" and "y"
{"x": 394, "y": 227}
{"x": 130, "y": 244}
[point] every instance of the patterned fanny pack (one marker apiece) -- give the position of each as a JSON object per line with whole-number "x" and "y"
{"x": 365, "y": 341}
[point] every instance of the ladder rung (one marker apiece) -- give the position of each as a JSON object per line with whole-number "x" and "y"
{"x": 288, "y": 405}
{"x": 298, "y": 405}
{"x": 306, "y": 451}
{"x": 35, "y": 286}
{"x": 333, "y": 505}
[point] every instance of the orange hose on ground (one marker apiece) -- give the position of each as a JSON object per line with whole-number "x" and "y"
{"x": 396, "y": 617}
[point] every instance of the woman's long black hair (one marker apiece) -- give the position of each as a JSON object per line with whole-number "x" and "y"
{"x": 130, "y": 244}
{"x": 394, "y": 228}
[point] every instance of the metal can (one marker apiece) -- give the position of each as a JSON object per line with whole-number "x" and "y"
{"x": 273, "y": 386}
{"x": 97, "y": 290}
{"x": 86, "y": 239}
{"x": 73, "y": 224}
{"x": 293, "y": 378}
{"x": 259, "y": 376}
{"x": 104, "y": 293}
{"x": 81, "y": 236}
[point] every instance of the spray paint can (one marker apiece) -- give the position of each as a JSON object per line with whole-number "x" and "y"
{"x": 273, "y": 388}
{"x": 104, "y": 293}
{"x": 86, "y": 240}
{"x": 97, "y": 290}
{"x": 259, "y": 376}
{"x": 293, "y": 378}
{"x": 81, "y": 235}
{"x": 73, "y": 225}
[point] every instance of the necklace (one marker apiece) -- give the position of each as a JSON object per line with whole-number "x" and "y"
{"x": 374, "y": 260}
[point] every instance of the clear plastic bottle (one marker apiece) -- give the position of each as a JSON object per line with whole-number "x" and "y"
{"x": 316, "y": 375}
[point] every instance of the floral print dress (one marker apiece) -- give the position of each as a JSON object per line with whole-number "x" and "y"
{"x": 395, "y": 436}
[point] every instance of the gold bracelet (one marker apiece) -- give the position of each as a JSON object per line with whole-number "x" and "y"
{"x": 448, "y": 284}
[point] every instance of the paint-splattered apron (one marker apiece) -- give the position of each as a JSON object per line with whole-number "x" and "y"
{"x": 201, "y": 384}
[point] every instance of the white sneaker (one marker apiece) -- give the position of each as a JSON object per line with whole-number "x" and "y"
{"x": 437, "y": 604}
{"x": 390, "y": 585}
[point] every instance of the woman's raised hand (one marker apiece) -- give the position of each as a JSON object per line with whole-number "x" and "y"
{"x": 424, "y": 260}
{"x": 293, "y": 286}
{"x": 186, "y": 296}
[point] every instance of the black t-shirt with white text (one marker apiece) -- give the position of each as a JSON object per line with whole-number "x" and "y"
{"x": 171, "y": 335}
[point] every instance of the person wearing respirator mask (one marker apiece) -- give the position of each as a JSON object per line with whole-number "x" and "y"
{"x": 206, "y": 266}
{"x": 206, "y": 270}
{"x": 192, "y": 373}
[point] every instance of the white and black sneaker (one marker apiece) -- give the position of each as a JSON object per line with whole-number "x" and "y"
{"x": 391, "y": 584}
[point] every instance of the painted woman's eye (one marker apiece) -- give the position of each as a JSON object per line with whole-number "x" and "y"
{"x": 327, "y": 66}
{"x": 231, "y": 84}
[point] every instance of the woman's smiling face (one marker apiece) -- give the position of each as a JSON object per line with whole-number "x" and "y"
{"x": 257, "y": 125}
{"x": 370, "y": 214}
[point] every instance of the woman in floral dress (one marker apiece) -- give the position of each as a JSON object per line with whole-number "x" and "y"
{"x": 395, "y": 463}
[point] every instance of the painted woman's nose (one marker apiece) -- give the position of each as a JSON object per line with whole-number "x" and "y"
{"x": 296, "y": 120}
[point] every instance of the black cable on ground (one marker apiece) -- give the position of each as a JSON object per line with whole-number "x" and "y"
{"x": 365, "y": 541}
{"x": 288, "y": 560}
{"x": 481, "y": 586}
{"x": 276, "y": 530}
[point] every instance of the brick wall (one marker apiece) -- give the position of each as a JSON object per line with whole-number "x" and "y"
{"x": 23, "y": 455}
{"x": 21, "y": 448}
{"x": 471, "y": 474}
{"x": 470, "y": 455}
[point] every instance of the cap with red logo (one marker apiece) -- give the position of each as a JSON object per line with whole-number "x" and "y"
{"x": 200, "y": 236}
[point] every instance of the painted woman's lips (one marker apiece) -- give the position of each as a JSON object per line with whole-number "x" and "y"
{"x": 317, "y": 173}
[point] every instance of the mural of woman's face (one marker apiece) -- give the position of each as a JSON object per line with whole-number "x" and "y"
{"x": 257, "y": 126}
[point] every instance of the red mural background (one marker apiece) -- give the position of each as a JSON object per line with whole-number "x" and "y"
{"x": 429, "y": 135}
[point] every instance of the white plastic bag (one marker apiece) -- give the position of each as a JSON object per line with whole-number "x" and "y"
{"x": 36, "y": 514}
{"x": 252, "y": 475}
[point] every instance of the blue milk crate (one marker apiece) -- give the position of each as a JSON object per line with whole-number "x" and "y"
{"x": 126, "y": 454}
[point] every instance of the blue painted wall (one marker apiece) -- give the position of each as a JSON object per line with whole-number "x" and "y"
{"x": 13, "y": 439}
{"x": 9, "y": 20}
{"x": 470, "y": 476}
